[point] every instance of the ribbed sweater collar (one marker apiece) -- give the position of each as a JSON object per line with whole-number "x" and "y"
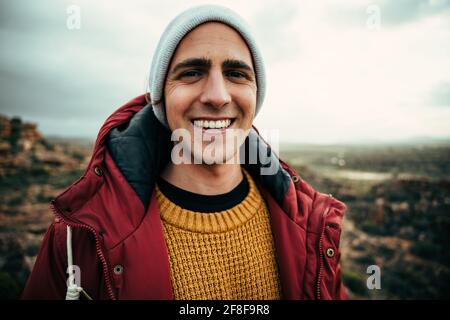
{"x": 221, "y": 221}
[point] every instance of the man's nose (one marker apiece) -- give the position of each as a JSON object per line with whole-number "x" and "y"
{"x": 215, "y": 92}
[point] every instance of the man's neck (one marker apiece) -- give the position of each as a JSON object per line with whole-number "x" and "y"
{"x": 204, "y": 179}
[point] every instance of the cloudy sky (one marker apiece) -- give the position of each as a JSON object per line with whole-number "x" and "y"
{"x": 338, "y": 70}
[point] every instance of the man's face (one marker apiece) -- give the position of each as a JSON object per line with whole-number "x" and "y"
{"x": 211, "y": 87}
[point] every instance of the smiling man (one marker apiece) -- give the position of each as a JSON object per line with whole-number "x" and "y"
{"x": 210, "y": 90}
{"x": 172, "y": 206}
{"x": 215, "y": 223}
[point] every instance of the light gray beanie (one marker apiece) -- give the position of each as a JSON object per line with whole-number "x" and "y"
{"x": 174, "y": 33}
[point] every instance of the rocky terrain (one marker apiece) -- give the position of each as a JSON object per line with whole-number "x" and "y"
{"x": 33, "y": 170}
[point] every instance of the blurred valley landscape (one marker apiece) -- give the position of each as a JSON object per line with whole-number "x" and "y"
{"x": 398, "y": 198}
{"x": 398, "y": 216}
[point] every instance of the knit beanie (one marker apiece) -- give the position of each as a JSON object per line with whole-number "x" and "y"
{"x": 174, "y": 33}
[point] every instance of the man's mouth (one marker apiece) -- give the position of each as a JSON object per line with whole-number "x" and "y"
{"x": 213, "y": 124}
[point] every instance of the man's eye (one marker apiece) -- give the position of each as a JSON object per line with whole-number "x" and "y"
{"x": 191, "y": 73}
{"x": 236, "y": 74}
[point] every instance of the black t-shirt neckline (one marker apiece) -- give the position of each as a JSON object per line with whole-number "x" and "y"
{"x": 204, "y": 203}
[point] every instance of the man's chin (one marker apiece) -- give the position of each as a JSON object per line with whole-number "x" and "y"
{"x": 209, "y": 157}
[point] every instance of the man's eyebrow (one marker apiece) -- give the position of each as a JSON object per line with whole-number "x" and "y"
{"x": 192, "y": 62}
{"x": 237, "y": 64}
{"x": 206, "y": 64}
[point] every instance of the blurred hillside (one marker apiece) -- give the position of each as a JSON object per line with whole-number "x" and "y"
{"x": 398, "y": 199}
{"x": 33, "y": 170}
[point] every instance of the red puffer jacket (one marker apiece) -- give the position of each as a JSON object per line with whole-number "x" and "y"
{"x": 118, "y": 240}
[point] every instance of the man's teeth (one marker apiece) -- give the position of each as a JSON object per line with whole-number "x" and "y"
{"x": 219, "y": 124}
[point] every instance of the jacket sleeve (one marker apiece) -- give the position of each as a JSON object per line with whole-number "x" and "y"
{"x": 48, "y": 279}
{"x": 340, "y": 293}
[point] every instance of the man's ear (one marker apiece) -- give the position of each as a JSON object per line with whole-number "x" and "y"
{"x": 148, "y": 98}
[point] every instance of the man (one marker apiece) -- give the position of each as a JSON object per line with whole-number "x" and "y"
{"x": 172, "y": 207}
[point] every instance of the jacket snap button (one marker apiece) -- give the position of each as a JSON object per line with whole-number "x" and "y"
{"x": 118, "y": 269}
{"x": 330, "y": 252}
{"x": 295, "y": 179}
{"x": 98, "y": 171}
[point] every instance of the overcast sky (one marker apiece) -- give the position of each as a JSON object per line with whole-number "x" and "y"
{"x": 338, "y": 71}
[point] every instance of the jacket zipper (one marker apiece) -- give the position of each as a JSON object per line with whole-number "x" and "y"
{"x": 319, "y": 277}
{"x": 97, "y": 247}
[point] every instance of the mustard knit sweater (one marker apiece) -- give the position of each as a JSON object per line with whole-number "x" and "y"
{"x": 223, "y": 255}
